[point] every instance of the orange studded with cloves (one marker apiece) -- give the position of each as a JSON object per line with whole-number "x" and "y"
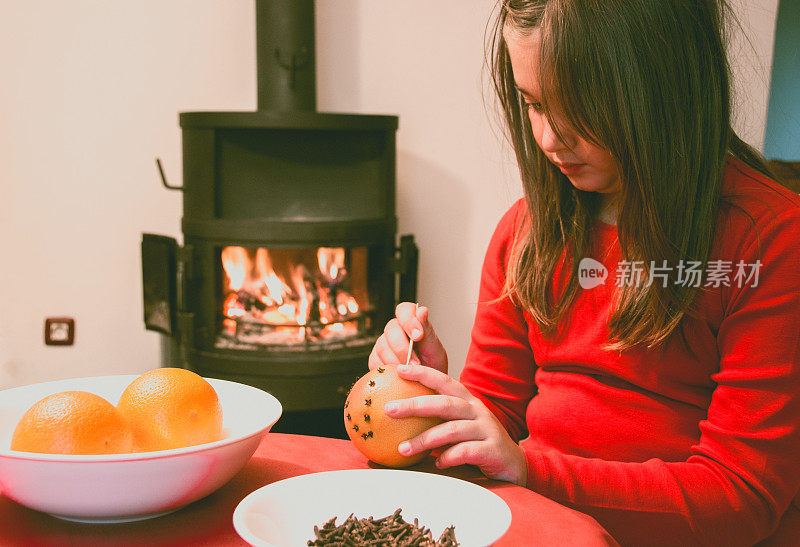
{"x": 375, "y": 434}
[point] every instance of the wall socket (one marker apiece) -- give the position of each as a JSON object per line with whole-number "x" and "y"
{"x": 59, "y": 331}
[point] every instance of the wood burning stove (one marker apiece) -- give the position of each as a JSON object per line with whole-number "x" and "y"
{"x": 289, "y": 267}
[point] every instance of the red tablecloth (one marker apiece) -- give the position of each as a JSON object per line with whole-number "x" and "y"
{"x": 535, "y": 520}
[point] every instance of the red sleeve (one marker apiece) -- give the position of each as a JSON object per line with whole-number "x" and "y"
{"x": 745, "y": 470}
{"x": 499, "y": 367}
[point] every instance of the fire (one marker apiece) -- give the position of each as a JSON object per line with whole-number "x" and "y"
{"x": 232, "y": 307}
{"x": 331, "y": 262}
{"x": 346, "y": 304}
{"x": 305, "y": 300}
{"x": 288, "y": 295}
{"x": 235, "y": 260}
{"x": 273, "y": 284}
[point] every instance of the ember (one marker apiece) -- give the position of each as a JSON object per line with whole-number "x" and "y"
{"x": 292, "y": 296}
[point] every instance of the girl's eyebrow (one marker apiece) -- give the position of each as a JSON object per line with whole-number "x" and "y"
{"x": 523, "y": 91}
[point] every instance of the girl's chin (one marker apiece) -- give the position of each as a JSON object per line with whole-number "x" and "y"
{"x": 588, "y": 185}
{"x": 583, "y": 184}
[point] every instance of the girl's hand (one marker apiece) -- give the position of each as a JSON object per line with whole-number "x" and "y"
{"x": 411, "y": 321}
{"x": 471, "y": 433}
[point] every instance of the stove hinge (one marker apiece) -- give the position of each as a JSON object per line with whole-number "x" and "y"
{"x": 185, "y": 275}
{"x": 404, "y": 263}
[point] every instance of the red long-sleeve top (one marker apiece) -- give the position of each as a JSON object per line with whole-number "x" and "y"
{"x": 670, "y": 446}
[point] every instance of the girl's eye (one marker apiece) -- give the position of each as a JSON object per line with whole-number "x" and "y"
{"x": 536, "y": 107}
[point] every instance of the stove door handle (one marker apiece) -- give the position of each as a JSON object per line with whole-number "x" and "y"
{"x": 167, "y": 185}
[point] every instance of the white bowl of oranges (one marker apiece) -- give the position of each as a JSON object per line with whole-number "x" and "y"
{"x": 123, "y": 448}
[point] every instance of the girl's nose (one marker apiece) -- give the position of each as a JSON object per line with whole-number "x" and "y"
{"x": 551, "y": 142}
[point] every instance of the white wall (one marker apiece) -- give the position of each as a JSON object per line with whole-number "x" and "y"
{"x": 90, "y": 95}
{"x": 751, "y": 59}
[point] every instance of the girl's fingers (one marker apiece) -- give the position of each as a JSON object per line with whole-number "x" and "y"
{"x": 387, "y": 356}
{"x": 382, "y": 354}
{"x": 467, "y": 452}
{"x": 397, "y": 340}
{"x": 414, "y": 321}
{"x": 434, "y": 379}
{"x": 441, "y": 406}
{"x": 374, "y": 361}
{"x": 406, "y": 314}
{"x": 452, "y": 432}
{"x": 432, "y": 350}
{"x": 428, "y": 332}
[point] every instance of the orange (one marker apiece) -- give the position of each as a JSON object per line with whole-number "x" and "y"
{"x": 72, "y": 422}
{"x": 171, "y": 408}
{"x": 374, "y": 433}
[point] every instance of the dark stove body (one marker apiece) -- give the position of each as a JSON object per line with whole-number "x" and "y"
{"x": 288, "y": 181}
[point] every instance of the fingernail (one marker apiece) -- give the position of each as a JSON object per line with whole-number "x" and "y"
{"x": 438, "y": 464}
{"x": 416, "y": 334}
{"x": 404, "y": 448}
{"x": 403, "y": 368}
{"x": 391, "y": 406}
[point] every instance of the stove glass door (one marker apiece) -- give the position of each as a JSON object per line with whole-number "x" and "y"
{"x": 309, "y": 298}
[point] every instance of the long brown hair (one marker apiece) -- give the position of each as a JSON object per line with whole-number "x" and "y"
{"x": 649, "y": 81}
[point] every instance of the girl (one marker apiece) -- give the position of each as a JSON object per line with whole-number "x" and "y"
{"x": 636, "y": 347}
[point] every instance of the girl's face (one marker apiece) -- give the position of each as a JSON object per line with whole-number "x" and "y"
{"x": 587, "y": 166}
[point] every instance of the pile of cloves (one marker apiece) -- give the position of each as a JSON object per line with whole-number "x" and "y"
{"x": 390, "y": 531}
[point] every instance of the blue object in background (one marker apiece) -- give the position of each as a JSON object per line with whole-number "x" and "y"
{"x": 782, "y": 138}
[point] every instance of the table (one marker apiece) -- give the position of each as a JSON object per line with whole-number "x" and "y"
{"x": 535, "y": 520}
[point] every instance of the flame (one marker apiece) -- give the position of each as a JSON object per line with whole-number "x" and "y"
{"x": 338, "y": 330}
{"x": 282, "y": 299}
{"x": 346, "y": 304}
{"x": 331, "y": 262}
{"x": 229, "y": 325}
{"x": 236, "y": 264}
{"x": 266, "y": 276}
{"x": 275, "y": 287}
{"x": 304, "y": 305}
{"x": 232, "y": 307}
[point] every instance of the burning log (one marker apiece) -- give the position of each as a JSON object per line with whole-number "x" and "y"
{"x": 250, "y": 301}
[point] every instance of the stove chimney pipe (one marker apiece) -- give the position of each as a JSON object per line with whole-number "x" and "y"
{"x": 285, "y": 55}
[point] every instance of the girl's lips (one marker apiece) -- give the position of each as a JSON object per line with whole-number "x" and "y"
{"x": 570, "y": 168}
